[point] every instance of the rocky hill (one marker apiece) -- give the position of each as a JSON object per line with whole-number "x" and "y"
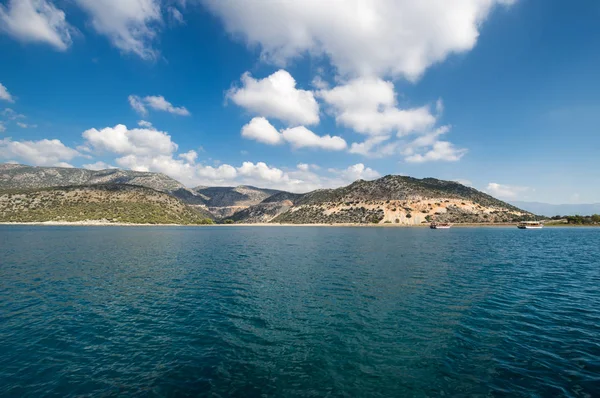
{"x": 16, "y": 176}
{"x": 226, "y": 201}
{"x": 106, "y": 202}
{"x": 262, "y": 212}
{"x": 391, "y": 199}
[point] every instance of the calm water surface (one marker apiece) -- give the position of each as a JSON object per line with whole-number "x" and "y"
{"x": 275, "y": 311}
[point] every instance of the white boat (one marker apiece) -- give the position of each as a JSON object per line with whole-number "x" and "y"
{"x": 440, "y": 225}
{"x": 530, "y": 225}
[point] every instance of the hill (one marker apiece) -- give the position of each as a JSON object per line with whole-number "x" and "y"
{"x": 391, "y": 199}
{"x": 16, "y": 176}
{"x": 107, "y": 202}
{"x": 226, "y": 201}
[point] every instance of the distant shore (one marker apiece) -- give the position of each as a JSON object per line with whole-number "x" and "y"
{"x": 100, "y": 223}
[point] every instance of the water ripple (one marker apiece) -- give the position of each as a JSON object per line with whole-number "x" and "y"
{"x": 299, "y": 312}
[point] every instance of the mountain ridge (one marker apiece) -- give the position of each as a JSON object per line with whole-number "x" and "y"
{"x": 390, "y": 199}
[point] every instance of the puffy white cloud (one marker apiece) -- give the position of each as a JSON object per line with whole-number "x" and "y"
{"x": 259, "y": 129}
{"x": 189, "y": 156}
{"x": 301, "y": 137}
{"x": 130, "y": 25}
{"x": 260, "y": 171}
{"x": 440, "y": 151}
{"x": 2, "y": 127}
{"x": 36, "y": 21}
{"x": 276, "y": 96}
{"x": 4, "y": 94}
{"x": 505, "y": 191}
{"x": 224, "y": 172}
{"x": 98, "y": 166}
{"x": 361, "y": 38}
{"x": 137, "y": 141}
{"x": 156, "y": 102}
{"x": 40, "y": 153}
{"x": 369, "y": 106}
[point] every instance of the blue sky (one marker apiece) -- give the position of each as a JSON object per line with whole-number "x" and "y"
{"x": 499, "y": 94}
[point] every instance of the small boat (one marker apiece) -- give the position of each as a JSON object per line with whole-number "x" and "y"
{"x": 530, "y": 225}
{"x": 440, "y": 225}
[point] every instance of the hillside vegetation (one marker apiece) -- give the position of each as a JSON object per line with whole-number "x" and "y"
{"x": 111, "y": 202}
{"x": 112, "y": 194}
{"x": 391, "y": 199}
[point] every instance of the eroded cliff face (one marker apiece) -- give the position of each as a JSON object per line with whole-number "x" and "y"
{"x": 411, "y": 212}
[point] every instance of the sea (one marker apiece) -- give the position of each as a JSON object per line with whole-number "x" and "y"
{"x": 239, "y": 311}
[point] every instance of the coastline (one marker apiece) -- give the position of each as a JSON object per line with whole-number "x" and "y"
{"x": 100, "y": 223}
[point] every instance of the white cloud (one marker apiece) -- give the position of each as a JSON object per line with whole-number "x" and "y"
{"x": 2, "y": 127}
{"x": 505, "y": 191}
{"x": 11, "y": 114}
{"x": 36, "y": 21}
{"x": 440, "y": 151}
{"x": 130, "y": 25}
{"x": 276, "y": 96}
{"x": 26, "y": 126}
{"x": 4, "y": 94}
{"x": 259, "y": 129}
{"x": 369, "y": 106}
{"x": 156, "y": 102}
{"x": 425, "y": 140}
{"x": 98, "y": 166}
{"x": 145, "y": 124}
{"x": 137, "y": 104}
{"x": 159, "y": 103}
{"x": 360, "y": 38}
{"x": 175, "y": 16}
{"x": 189, "y": 156}
{"x": 356, "y": 172}
{"x": 40, "y": 153}
{"x": 137, "y": 141}
{"x": 64, "y": 164}
{"x": 370, "y": 147}
{"x": 426, "y": 147}
{"x": 319, "y": 83}
{"x": 151, "y": 150}
{"x": 301, "y": 137}
{"x": 260, "y": 171}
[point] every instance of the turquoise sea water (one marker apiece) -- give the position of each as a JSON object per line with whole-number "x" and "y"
{"x": 276, "y": 311}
